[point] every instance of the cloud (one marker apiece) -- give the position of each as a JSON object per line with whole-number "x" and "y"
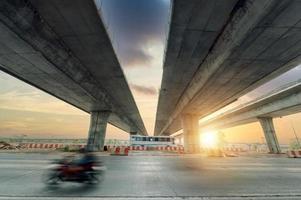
{"x": 134, "y": 26}
{"x": 17, "y": 95}
{"x": 135, "y": 58}
{"x": 143, "y": 89}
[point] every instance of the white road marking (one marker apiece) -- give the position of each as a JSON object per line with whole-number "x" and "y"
{"x": 253, "y": 197}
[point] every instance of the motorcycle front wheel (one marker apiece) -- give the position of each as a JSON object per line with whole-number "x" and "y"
{"x": 93, "y": 178}
{"x": 51, "y": 177}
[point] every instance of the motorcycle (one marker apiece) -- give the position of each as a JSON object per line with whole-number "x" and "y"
{"x": 67, "y": 171}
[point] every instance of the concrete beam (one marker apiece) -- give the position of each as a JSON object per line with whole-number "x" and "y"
{"x": 241, "y": 22}
{"x": 280, "y": 103}
{"x": 97, "y": 130}
{"x": 190, "y": 124}
{"x": 269, "y": 133}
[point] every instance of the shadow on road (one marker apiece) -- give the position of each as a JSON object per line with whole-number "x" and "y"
{"x": 70, "y": 189}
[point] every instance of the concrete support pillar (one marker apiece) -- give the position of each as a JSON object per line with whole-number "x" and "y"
{"x": 97, "y": 130}
{"x": 190, "y": 124}
{"x": 269, "y": 133}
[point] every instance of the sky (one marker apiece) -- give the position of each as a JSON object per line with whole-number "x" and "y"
{"x": 138, "y": 30}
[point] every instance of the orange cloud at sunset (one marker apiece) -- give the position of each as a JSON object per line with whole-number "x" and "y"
{"x": 49, "y": 125}
{"x": 27, "y": 110}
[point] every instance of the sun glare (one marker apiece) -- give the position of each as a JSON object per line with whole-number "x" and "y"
{"x": 209, "y": 139}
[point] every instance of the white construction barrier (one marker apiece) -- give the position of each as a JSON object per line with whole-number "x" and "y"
{"x": 157, "y": 148}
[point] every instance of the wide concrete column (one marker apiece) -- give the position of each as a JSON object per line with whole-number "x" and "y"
{"x": 97, "y": 130}
{"x": 270, "y": 134}
{"x": 190, "y": 124}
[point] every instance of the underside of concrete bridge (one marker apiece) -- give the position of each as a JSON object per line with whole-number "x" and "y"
{"x": 283, "y": 102}
{"x": 219, "y": 50}
{"x": 62, "y": 48}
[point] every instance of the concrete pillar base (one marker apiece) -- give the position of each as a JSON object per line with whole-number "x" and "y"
{"x": 190, "y": 124}
{"x": 270, "y": 134}
{"x": 97, "y": 130}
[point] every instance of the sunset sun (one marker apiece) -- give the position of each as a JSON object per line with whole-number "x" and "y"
{"x": 209, "y": 139}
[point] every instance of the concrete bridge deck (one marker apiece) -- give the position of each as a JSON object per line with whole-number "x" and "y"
{"x": 219, "y": 50}
{"x": 62, "y": 48}
{"x": 283, "y": 102}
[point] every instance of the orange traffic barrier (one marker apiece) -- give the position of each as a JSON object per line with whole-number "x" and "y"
{"x": 294, "y": 153}
{"x": 44, "y": 146}
{"x": 120, "y": 151}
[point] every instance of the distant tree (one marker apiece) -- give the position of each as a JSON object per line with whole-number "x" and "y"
{"x": 294, "y": 144}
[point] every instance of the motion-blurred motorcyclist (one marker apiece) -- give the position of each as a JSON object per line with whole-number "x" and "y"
{"x": 87, "y": 160}
{"x": 77, "y": 167}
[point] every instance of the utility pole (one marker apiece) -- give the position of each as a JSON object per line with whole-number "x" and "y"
{"x": 295, "y": 133}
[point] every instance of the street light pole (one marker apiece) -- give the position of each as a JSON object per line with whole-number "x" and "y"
{"x": 295, "y": 134}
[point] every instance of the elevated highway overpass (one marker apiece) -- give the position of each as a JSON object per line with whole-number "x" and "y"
{"x": 219, "y": 50}
{"x": 62, "y": 48}
{"x": 285, "y": 101}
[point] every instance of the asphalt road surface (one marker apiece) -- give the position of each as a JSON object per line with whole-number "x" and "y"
{"x": 158, "y": 176}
